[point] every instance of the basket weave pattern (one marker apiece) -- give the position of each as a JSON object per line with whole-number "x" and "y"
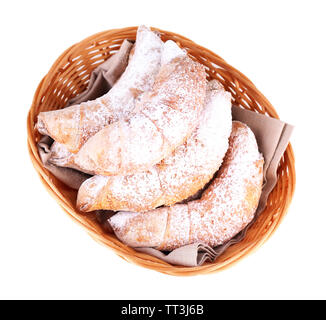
{"x": 70, "y": 75}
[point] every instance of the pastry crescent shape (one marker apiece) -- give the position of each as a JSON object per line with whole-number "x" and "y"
{"x": 176, "y": 177}
{"x": 223, "y": 210}
{"x": 61, "y": 156}
{"x": 74, "y": 125}
{"x": 165, "y": 117}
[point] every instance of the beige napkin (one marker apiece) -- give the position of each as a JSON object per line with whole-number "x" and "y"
{"x": 272, "y": 137}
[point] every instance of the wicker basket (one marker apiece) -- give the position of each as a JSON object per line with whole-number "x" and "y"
{"x": 69, "y": 76}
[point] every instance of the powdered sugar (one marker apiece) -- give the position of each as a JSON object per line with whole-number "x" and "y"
{"x": 232, "y": 198}
{"x": 181, "y": 174}
{"x": 80, "y": 122}
{"x": 91, "y": 189}
{"x": 138, "y": 78}
{"x": 139, "y": 75}
{"x": 135, "y": 230}
{"x": 179, "y": 86}
{"x": 224, "y": 209}
{"x": 124, "y": 217}
{"x": 193, "y": 164}
{"x": 170, "y": 51}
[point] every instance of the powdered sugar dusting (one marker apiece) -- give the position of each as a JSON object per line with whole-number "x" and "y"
{"x": 139, "y": 75}
{"x": 193, "y": 164}
{"x": 181, "y": 174}
{"x": 133, "y": 191}
{"x": 131, "y": 227}
{"x": 232, "y": 198}
{"x": 170, "y": 51}
{"x": 120, "y": 221}
{"x": 225, "y": 208}
{"x": 82, "y": 121}
{"x": 61, "y": 125}
{"x": 90, "y": 190}
{"x": 179, "y": 86}
{"x": 178, "y": 228}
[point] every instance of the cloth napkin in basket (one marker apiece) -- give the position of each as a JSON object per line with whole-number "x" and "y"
{"x": 272, "y": 137}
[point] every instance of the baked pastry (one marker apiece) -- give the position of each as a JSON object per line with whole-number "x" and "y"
{"x": 176, "y": 177}
{"x": 164, "y": 118}
{"x": 74, "y": 125}
{"x": 223, "y": 210}
{"x": 62, "y": 157}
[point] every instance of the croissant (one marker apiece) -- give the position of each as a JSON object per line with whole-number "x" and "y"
{"x": 74, "y": 125}
{"x": 61, "y": 156}
{"x": 175, "y": 178}
{"x": 165, "y": 117}
{"x": 223, "y": 210}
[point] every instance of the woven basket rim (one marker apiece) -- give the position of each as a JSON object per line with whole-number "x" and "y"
{"x": 113, "y": 243}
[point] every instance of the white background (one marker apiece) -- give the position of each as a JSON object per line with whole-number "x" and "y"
{"x": 279, "y": 45}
